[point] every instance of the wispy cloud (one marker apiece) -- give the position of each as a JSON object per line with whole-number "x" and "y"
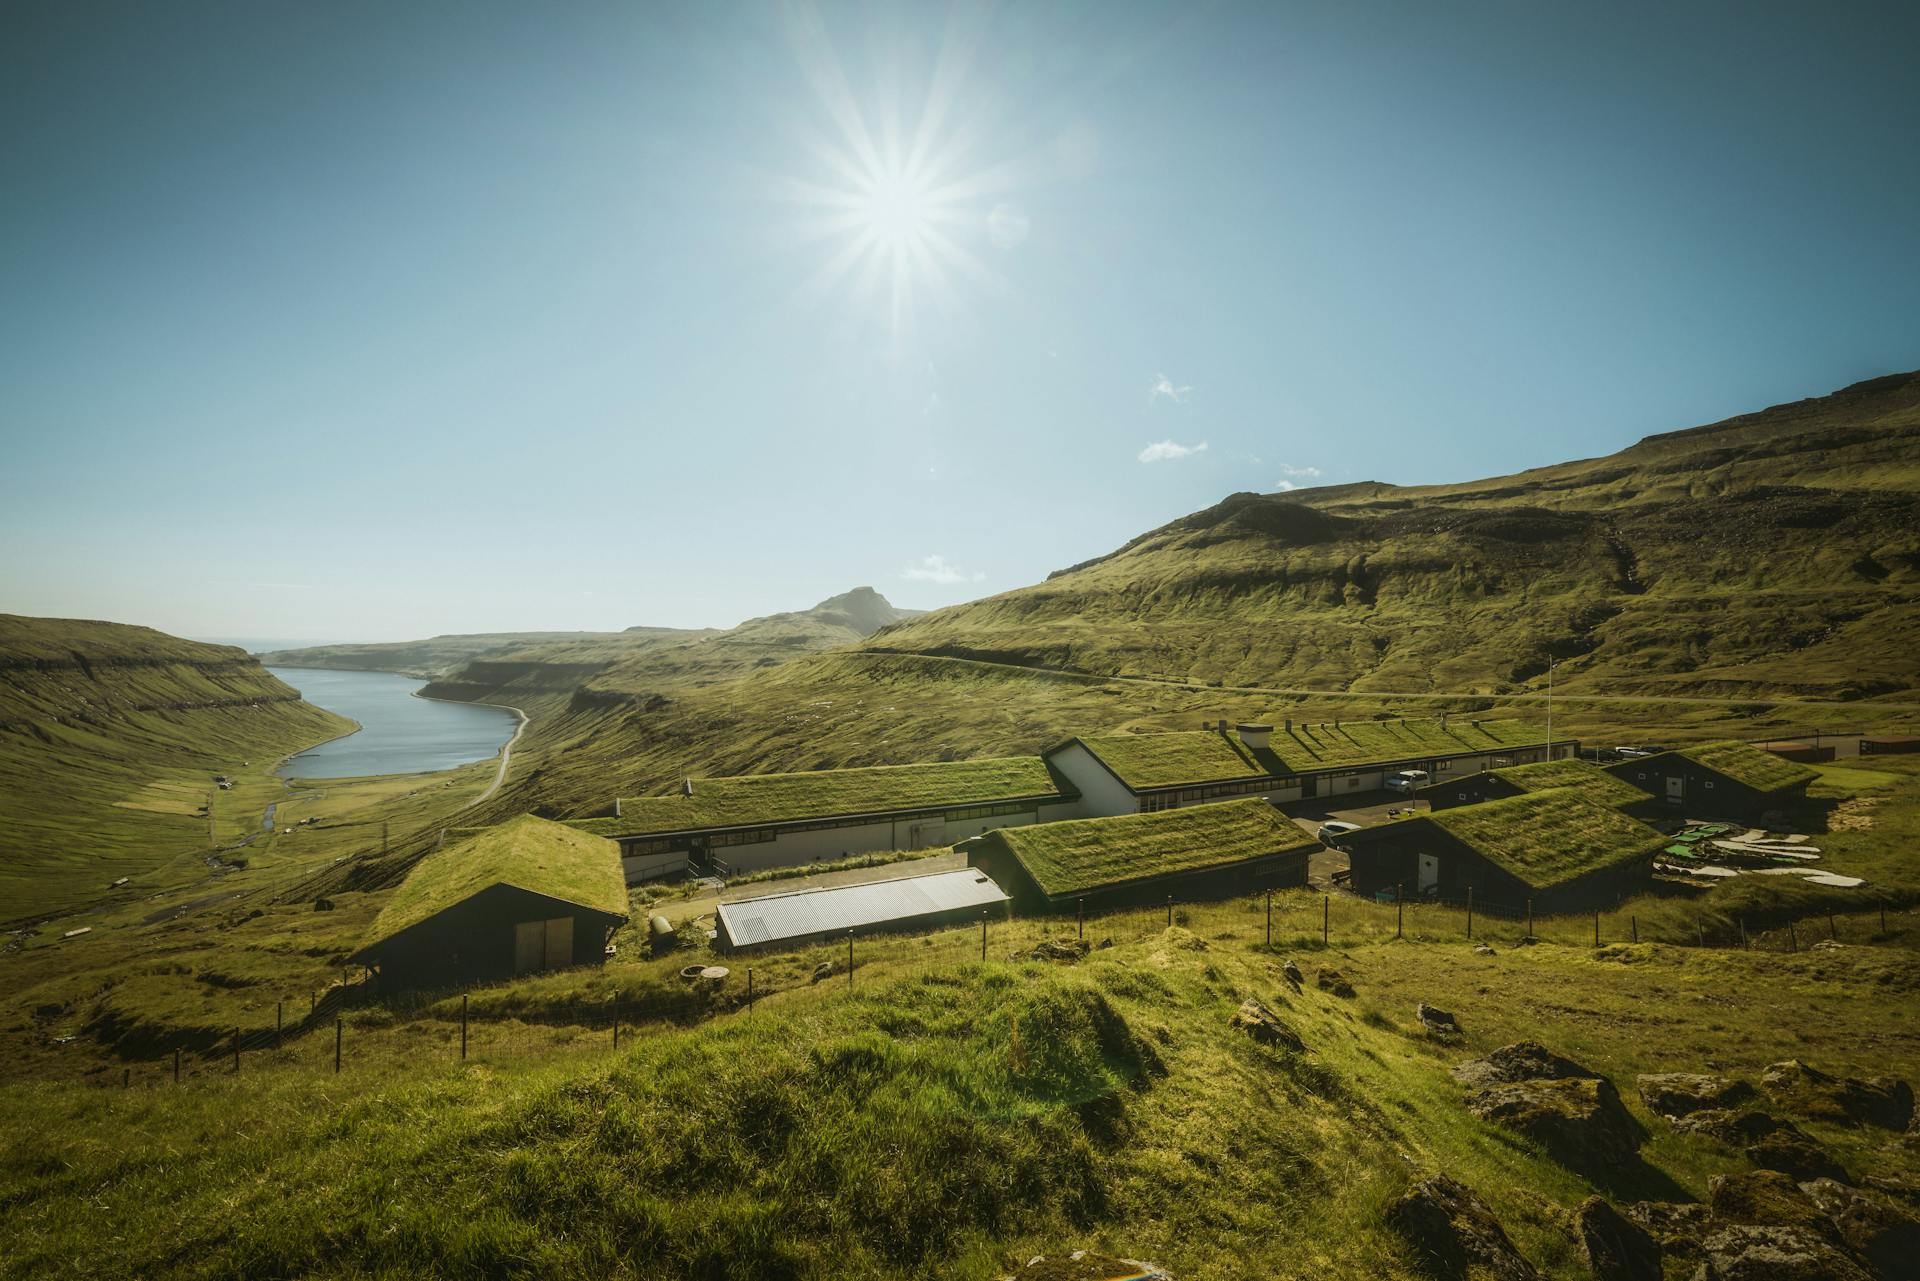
{"x": 1161, "y": 451}
{"x": 1293, "y": 474}
{"x": 1163, "y": 387}
{"x": 938, "y": 569}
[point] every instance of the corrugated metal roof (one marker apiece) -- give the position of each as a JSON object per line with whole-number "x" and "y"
{"x": 849, "y": 907}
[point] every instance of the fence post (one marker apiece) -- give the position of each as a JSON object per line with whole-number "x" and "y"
{"x": 1080, "y": 917}
{"x": 126, "y": 1078}
{"x": 1269, "y": 918}
{"x": 984, "y": 914}
{"x": 463, "y": 1027}
{"x": 1326, "y": 917}
{"x": 338, "y": 1024}
{"x": 1469, "y": 913}
{"x": 1833, "y": 931}
{"x": 749, "y": 989}
{"x": 1634, "y": 921}
{"x": 1700, "y": 928}
{"x": 236, "y": 1051}
{"x": 1169, "y": 911}
{"x": 1793, "y": 938}
{"x": 849, "y": 958}
{"x": 1399, "y": 908}
{"x": 1745, "y": 942}
{"x": 1596, "y": 927}
{"x": 1529, "y": 918}
{"x": 176, "y": 1065}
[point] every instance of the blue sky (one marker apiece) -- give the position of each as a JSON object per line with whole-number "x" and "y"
{"x": 374, "y": 321}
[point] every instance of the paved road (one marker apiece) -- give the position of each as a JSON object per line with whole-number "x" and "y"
{"x": 1292, "y": 691}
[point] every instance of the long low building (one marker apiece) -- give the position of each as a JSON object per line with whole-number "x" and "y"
{"x": 756, "y": 821}
{"x": 1518, "y": 780}
{"x": 810, "y": 916}
{"x": 1208, "y": 851}
{"x": 1719, "y": 780}
{"x": 1560, "y": 850}
{"x": 1135, "y": 773}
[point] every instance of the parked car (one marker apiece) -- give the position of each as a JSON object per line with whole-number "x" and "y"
{"x": 1408, "y": 780}
{"x": 1332, "y": 830}
{"x": 1635, "y": 753}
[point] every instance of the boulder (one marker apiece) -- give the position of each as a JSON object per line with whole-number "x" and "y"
{"x": 1580, "y": 1121}
{"x": 1884, "y": 1233}
{"x": 1735, "y": 1128}
{"x": 1331, "y": 980}
{"x": 824, "y": 970}
{"x": 1764, "y": 1198}
{"x": 1068, "y": 950}
{"x": 1884, "y": 1101}
{"x": 1616, "y": 1248}
{"x": 1293, "y": 975}
{"x": 1439, "y": 1024}
{"x": 323, "y": 905}
{"x": 1521, "y": 1061}
{"x": 1676, "y": 1225}
{"x": 1677, "y": 1094}
{"x": 1455, "y": 1232}
{"x": 1796, "y": 1156}
{"x": 1264, "y": 1026}
{"x": 1481, "y": 949}
{"x": 1757, "y": 1253}
{"x": 1085, "y": 1265}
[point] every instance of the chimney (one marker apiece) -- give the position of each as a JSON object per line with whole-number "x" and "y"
{"x": 1255, "y": 736}
{"x": 1289, "y": 724}
{"x": 686, "y": 787}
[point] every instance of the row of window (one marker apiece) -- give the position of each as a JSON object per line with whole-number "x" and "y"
{"x": 761, "y": 835}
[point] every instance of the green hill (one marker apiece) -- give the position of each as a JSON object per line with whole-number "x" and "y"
{"x": 110, "y": 738}
{"x": 428, "y": 658}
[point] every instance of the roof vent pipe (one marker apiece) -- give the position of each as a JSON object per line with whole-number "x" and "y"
{"x": 686, "y": 787}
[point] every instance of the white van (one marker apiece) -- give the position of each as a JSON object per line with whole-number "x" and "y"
{"x": 1408, "y": 780}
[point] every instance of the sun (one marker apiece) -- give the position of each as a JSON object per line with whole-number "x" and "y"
{"x": 890, "y": 200}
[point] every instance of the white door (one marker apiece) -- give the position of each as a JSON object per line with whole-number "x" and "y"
{"x": 529, "y": 946}
{"x": 1676, "y": 788}
{"x": 1429, "y": 872}
{"x": 559, "y": 942}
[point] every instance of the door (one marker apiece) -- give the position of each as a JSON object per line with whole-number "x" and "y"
{"x": 1429, "y": 872}
{"x": 1676, "y": 788}
{"x": 529, "y": 946}
{"x": 559, "y": 942}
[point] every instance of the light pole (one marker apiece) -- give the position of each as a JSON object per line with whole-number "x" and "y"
{"x": 1549, "y": 707}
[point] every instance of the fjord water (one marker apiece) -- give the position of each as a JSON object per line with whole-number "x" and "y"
{"x": 399, "y": 734}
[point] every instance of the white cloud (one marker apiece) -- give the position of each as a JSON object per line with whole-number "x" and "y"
{"x": 1163, "y": 386}
{"x": 937, "y": 569}
{"x": 1301, "y": 473}
{"x": 1284, "y": 486}
{"x": 1162, "y": 450}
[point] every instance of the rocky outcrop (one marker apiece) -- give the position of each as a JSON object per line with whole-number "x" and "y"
{"x": 1616, "y": 1248}
{"x": 1883, "y": 1101}
{"x": 1521, "y": 1061}
{"x": 1733, "y": 1127}
{"x": 1455, "y": 1233}
{"x": 1678, "y": 1094}
{"x": 1759, "y": 1253}
{"x": 1437, "y": 1023}
{"x": 1264, "y": 1026}
{"x": 1883, "y": 1233}
{"x": 1795, "y": 1155}
{"x": 1332, "y": 980}
{"x": 1580, "y": 1121}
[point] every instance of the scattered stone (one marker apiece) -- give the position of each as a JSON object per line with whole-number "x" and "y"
{"x": 1481, "y": 949}
{"x": 1103, "y": 945}
{"x": 1521, "y": 1061}
{"x": 1733, "y": 1127}
{"x": 1757, "y": 1253}
{"x": 1827, "y": 945}
{"x": 1068, "y": 950}
{"x": 1766, "y": 1198}
{"x": 1265, "y": 1027}
{"x": 1676, "y": 1225}
{"x": 1884, "y": 1101}
{"x": 1678, "y": 1094}
{"x": 1448, "y": 1223}
{"x": 1439, "y": 1024}
{"x": 1883, "y": 1233}
{"x": 1580, "y": 1121}
{"x": 824, "y": 970}
{"x": 1084, "y": 1265}
{"x": 1293, "y": 975}
{"x": 1796, "y": 1156}
{"x": 323, "y": 905}
{"x": 1616, "y": 1248}
{"x": 1331, "y": 980}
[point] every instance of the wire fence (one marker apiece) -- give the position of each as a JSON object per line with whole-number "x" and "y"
{"x": 351, "y": 1023}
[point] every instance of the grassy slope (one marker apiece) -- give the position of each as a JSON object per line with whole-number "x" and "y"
{"x": 428, "y": 658}
{"x": 109, "y": 740}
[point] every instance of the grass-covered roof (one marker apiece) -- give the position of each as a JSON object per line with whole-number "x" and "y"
{"x": 1079, "y": 855}
{"x": 526, "y": 852}
{"x": 1744, "y": 763}
{"x": 784, "y": 798}
{"x": 1588, "y": 779}
{"x": 1545, "y": 838}
{"x": 1185, "y": 758}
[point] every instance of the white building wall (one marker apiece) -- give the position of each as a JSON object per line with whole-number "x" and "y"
{"x": 793, "y": 849}
{"x": 1101, "y": 794}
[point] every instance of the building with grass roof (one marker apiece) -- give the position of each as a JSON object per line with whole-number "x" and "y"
{"x": 755, "y": 821}
{"x": 1142, "y": 773}
{"x": 1558, "y": 850}
{"x": 523, "y": 896}
{"x": 1201, "y": 852}
{"x": 1517, "y": 780}
{"x": 1719, "y": 780}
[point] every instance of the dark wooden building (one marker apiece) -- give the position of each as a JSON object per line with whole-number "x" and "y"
{"x": 1199, "y": 852}
{"x": 1497, "y": 784}
{"x": 1718, "y": 780}
{"x": 1560, "y": 850}
{"x": 525, "y": 896}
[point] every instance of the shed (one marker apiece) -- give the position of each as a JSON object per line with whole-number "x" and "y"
{"x": 523, "y": 896}
{"x": 1518, "y": 780}
{"x": 1727, "y": 779}
{"x": 1889, "y": 745}
{"x": 1202, "y": 851}
{"x": 807, "y": 916}
{"x": 1559, "y": 849}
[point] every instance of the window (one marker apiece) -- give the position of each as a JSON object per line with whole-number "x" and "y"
{"x": 1709, "y": 782}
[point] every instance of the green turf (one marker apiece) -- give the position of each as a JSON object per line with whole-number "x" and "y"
{"x": 784, "y": 798}
{"x": 1761, "y": 770}
{"x": 1081, "y": 855}
{"x": 1589, "y": 780}
{"x": 1548, "y": 837}
{"x": 528, "y": 853}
